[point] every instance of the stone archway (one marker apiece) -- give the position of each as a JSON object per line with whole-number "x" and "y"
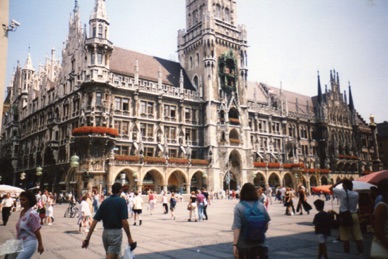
{"x": 234, "y": 167}
{"x": 176, "y": 182}
{"x": 232, "y": 185}
{"x": 324, "y": 180}
{"x": 152, "y": 180}
{"x": 259, "y": 180}
{"x": 198, "y": 180}
{"x": 127, "y": 178}
{"x": 287, "y": 180}
{"x": 274, "y": 180}
{"x": 313, "y": 181}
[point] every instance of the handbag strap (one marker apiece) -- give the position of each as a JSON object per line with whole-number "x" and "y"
{"x": 347, "y": 199}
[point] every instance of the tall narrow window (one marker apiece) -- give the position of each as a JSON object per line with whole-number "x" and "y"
{"x": 98, "y": 99}
{"x": 93, "y": 59}
{"x": 125, "y": 104}
{"x": 218, "y": 11}
{"x": 227, "y": 17}
{"x": 118, "y": 103}
{"x": 100, "y": 31}
{"x": 150, "y": 108}
{"x": 125, "y": 127}
{"x": 99, "y": 58}
{"x": 143, "y": 106}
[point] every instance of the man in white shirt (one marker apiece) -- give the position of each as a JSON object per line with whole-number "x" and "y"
{"x": 282, "y": 193}
{"x": 349, "y": 201}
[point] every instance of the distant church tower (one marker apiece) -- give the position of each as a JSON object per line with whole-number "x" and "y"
{"x": 213, "y": 51}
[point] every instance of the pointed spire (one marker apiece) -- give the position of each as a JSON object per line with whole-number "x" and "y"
{"x": 351, "y": 104}
{"x": 345, "y": 98}
{"x": 338, "y": 79}
{"x": 325, "y": 97}
{"x": 99, "y": 11}
{"x": 76, "y": 7}
{"x": 319, "y": 90}
{"x": 28, "y": 64}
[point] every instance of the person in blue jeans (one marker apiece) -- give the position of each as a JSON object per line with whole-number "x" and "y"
{"x": 200, "y": 204}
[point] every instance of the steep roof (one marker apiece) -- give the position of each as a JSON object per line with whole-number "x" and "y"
{"x": 123, "y": 62}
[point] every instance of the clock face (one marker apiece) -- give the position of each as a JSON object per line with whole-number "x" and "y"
{"x": 227, "y": 72}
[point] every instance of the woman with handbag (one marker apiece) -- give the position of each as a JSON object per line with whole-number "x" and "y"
{"x": 348, "y": 221}
{"x": 379, "y": 248}
{"x": 192, "y": 206}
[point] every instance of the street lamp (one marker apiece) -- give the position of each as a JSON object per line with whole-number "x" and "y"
{"x": 74, "y": 161}
{"x": 22, "y": 178}
{"x": 38, "y": 173}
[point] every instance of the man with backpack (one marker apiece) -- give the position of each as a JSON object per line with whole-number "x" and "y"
{"x": 250, "y": 225}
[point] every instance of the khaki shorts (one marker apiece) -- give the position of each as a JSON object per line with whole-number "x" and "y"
{"x": 352, "y": 231}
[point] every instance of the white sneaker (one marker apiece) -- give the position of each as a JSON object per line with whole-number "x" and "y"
{"x": 50, "y": 224}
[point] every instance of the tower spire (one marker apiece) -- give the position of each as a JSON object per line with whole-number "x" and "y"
{"x": 319, "y": 90}
{"x": 28, "y": 64}
{"x": 351, "y": 104}
{"x": 99, "y": 11}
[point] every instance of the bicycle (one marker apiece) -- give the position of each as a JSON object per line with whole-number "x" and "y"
{"x": 71, "y": 211}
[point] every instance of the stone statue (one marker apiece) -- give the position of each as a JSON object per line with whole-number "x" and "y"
{"x": 83, "y": 118}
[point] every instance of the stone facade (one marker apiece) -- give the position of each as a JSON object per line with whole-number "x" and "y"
{"x": 157, "y": 124}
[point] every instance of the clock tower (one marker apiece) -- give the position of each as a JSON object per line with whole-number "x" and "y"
{"x": 213, "y": 51}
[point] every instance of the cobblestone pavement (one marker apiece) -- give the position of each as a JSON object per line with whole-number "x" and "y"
{"x": 161, "y": 237}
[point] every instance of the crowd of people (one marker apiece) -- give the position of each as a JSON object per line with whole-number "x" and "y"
{"x": 250, "y": 213}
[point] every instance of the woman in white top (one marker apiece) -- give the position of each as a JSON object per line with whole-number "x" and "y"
{"x": 49, "y": 209}
{"x": 84, "y": 214}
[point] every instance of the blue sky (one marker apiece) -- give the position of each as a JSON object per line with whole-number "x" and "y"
{"x": 289, "y": 40}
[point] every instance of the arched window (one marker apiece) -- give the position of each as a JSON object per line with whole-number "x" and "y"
{"x": 227, "y": 16}
{"x": 191, "y": 62}
{"x": 195, "y": 82}
{"x": 218, "y": 11}
{"x": 197, "y": 59}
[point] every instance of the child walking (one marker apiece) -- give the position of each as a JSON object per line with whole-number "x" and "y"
{"x": 322, "y": 222}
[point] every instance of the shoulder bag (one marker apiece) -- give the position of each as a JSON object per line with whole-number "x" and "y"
{"x": 345, "y": 218}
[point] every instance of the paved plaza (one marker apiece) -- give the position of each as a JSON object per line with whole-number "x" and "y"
{"x": 161, "y": 237}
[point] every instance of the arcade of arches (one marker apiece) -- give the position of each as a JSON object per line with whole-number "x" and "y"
{"x": 154, "y": 180}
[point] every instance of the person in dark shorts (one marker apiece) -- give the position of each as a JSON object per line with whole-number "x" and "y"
{"x": 137, "y": 208}
{"x": 114, "y": 214}
{"x": 322, "y": 222}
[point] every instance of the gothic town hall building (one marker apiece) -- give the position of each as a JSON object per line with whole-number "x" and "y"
{"x": 102, "y": 114}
